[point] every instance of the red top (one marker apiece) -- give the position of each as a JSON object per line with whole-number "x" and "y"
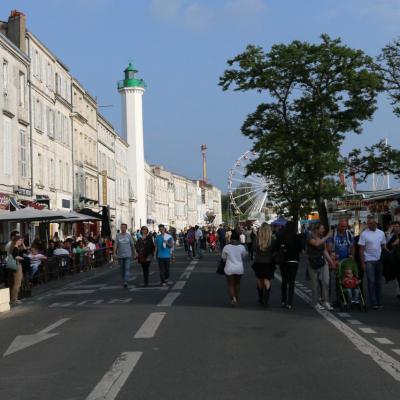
{"x": 350, "y": 283}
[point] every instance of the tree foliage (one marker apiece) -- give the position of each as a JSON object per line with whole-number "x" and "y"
{"x": 389, "y": 66}
{"x": 314, "y": 95}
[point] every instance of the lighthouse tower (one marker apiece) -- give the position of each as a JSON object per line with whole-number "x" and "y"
{"x": 131, "y": 90}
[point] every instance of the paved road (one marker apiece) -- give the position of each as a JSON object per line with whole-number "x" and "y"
{"x": 92, "y": 339}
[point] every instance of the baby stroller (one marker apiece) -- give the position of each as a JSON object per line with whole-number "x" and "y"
{"x": 348, "y": 263}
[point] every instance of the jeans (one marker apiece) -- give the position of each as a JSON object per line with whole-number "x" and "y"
{"x": 125, "y": 264}
{"x": 316, "y": 276}
{"x": 353, "y": 295}
{"x": 288, "y": 273}
{"x": 198, "y": 249}
{"x": 374, "y": 278}
{"x": 163, "y": 265}
{"x": 145, "y": 267}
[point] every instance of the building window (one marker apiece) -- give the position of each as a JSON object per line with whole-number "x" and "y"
{"x": 40, "y": 168}
{"x": 23, "y": 151}
{"x": 52, "y": 173}
{"x": 61, "y": 173}
{"x": 5, "y": 76}
{"x": 66, "y": 185}
{"x": 22, "y": 87}
{"x": 7, "y": 147}
{"x": 50, "y": 122}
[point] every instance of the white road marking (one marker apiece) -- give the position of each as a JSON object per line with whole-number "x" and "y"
{"x": 384, "y": 360}
{"x": 150, "y": 326}
{"x": 122, "y": 301}
{"x": 94, "y": 302}
{"x": 397, "y": 351}
{"x": 185, "y": 275}
{"x": 72, "y": 286}
{"x": 72, "y": 292}
{"x": 383, "y": 340}
{"x": 64, "y": 304}
{"x": 344, "y": 314}
{"x": 112, "y": 287}
{"x": 179, "y": 285}
{"x": 354, "y": 322}
{"x": 168, "y": 299}
{"x": 140, "y": 289}
{"x": 190, "y": 268}
{"x": 112, "y": 382}
{"x": 23, "y": 341}
{"x": 367, "y": 330}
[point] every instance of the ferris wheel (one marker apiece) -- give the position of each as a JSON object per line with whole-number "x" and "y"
{"x": 248, "y": 194}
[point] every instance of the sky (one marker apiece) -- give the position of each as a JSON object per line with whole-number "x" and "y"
{"x": 180, "y": 48}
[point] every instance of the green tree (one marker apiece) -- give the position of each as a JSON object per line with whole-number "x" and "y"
{"x": 314, "y": 95}
{"x": 388, "y": 64}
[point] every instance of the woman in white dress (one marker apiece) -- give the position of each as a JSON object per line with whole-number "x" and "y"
{"x": 233, "y": 254}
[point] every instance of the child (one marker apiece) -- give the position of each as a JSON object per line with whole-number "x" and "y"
{"x": 351, "y": 283}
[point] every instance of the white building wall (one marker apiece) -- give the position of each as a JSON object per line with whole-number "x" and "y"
{"x": 51, "y": 126}
{"x": 15, "y": 168}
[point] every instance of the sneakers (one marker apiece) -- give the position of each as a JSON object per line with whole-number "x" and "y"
{"x": 328, "y": 306}
{"x": 288, "y": 306}
{"x": 375, "y": 307}
{"x": 319, "y": 307}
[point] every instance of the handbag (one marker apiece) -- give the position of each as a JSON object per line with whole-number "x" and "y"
{"x": 220, "y": 267}
{"x": 11, "y": 263}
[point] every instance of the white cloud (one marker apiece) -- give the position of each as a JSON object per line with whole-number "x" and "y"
{"x": 166, "y": 9}
{"x": 197, "y": 17}
{"x": 245, "y": 8}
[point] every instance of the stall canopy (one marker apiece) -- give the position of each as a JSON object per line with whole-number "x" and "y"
{"x": 30, "y": 214}
{"x": 72, "y": 216}
{"x": 281, "y": 221}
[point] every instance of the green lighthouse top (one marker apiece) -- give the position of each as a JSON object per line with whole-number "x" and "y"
{"x": 130, "y": 78}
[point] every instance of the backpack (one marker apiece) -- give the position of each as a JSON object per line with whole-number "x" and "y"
{"x": 190, "y": 237}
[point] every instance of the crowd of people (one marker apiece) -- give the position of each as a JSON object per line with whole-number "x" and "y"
{"x": 337, "y": 261}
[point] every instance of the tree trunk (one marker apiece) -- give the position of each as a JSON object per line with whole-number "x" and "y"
{"x": 323, "y": 214}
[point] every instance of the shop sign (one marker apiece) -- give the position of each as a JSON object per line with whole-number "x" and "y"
{"x": 4, "y": 201}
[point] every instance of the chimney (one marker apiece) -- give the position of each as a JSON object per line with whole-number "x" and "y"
{"x": 16, "y": 29}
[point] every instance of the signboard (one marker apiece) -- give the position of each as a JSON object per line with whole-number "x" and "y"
{"x": 4, "y": 201}
{"x": 104, "y": 186}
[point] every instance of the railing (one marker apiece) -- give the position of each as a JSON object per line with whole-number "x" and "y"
{"x": 55, "y": 268}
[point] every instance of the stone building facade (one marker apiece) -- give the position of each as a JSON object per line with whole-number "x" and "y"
{"x": 58, "y": 151}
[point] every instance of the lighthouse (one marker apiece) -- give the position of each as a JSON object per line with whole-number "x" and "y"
{"x": 131, "y": 90}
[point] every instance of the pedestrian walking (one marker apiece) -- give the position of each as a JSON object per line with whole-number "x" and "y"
{"x": 318, "y": 267}
{"x": 145, "y": 249}
{"x": 249, "y": 237}
{"x": 124, "y": 250}
{"x": 340, "y": 246}
{"x": 15, "y": 256}
{"x": 198, "y": 234}
{"x": 190, "y": 240}
{"x": 289, "y": 249}
{"x": 371, "y": 243}
{"x": 233, "y": 255}
{"x": 264, "y": 262}
{"x": 221, "y": 237}
{"x": 164, "y": 243}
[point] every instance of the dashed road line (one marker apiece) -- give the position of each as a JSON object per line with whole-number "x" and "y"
{"x": 367, "y": 330}
{"x": 185, "y": 275}
{"x": 73, "y": 292}
{"x": 179, "y": 285}
{"x": 168, "y": 299}
{"x": 383, "y": 340}
{"x": 384, "y": 360}
{"x": 397, "y": 351}
{"x": 354, "y": 322}
{"x": 112, "y": 382}
{"x": 343, "y": 315}
{"x": 150, "y": 326}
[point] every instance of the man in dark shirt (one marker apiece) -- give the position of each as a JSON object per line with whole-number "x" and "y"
{"x": 221, "y": 237}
